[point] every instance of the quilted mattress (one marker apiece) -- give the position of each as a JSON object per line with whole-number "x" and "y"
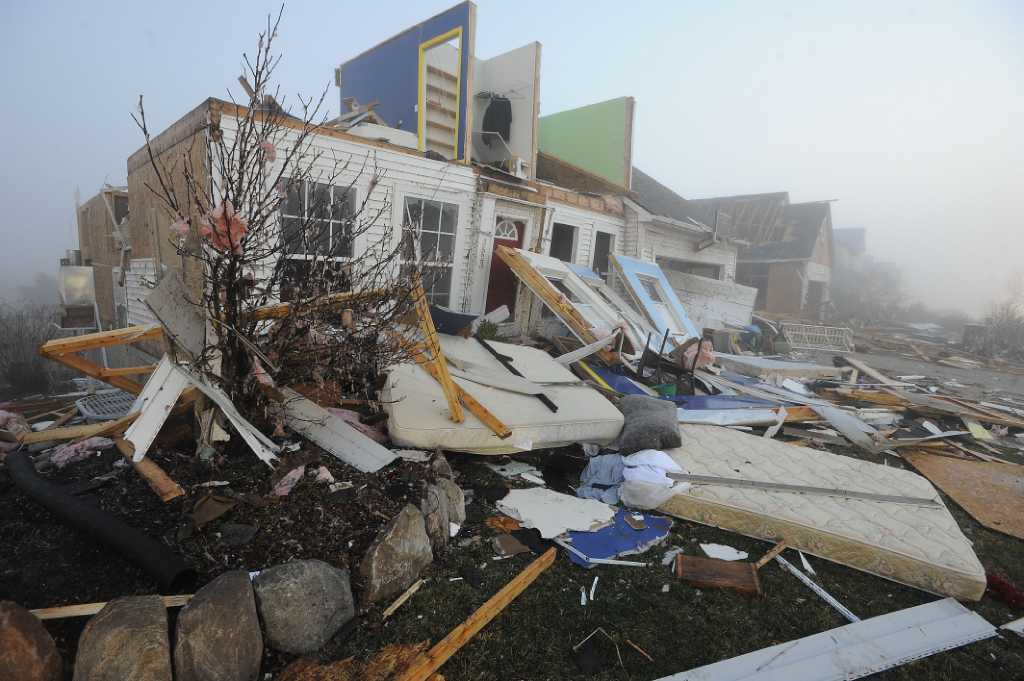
{"x": 418, "y": 412}
{"x": 919, "y": 546}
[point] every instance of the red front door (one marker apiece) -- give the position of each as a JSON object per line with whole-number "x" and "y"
{"x": 501, "y": 287}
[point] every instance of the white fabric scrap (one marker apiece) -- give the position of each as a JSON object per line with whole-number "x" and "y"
{"x": 650, "y": 466}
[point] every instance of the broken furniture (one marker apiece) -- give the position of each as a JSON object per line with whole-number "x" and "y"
{"x": 921, "y": 546}
{"x": 729, "y": 574}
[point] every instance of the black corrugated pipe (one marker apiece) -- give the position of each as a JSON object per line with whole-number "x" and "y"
{"x": 168, "y": 568}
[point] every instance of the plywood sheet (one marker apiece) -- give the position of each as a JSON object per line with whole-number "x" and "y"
{"x": 993, "y": 493}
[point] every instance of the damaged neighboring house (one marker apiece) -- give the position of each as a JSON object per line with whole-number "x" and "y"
{"x": 88, "y": 277}
{"x": 786, "y": 251}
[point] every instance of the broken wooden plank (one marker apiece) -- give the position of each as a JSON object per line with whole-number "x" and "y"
{"x": 475, "y": 408}
{"x": 161, "y": 483}
{"x": 89, "y": 609}
{"x": 282, "y": 310}
{"x": 101, "y": 339}
{"x": 433, "y": 344}
{"x": 772, "y": 552}
{"x": 551, "y": 297}
{"x": 332, "y": 433}
{"x": 390, "y": 610}
{"x": 425, "y": 665}
{"x": 83, "y": 431}
{"x": 93, "y": 370}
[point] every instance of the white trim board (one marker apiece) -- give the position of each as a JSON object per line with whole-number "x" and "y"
{"x": 855, "y": 650}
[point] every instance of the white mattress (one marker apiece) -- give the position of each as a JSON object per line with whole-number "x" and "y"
{"x": 418, "y": 412}
{"x": 919, "y": 546}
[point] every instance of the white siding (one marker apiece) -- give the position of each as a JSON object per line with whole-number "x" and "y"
{"x": 139, "y": 281}
{"x": 668, "y": 242}
{"x": 586, "y": 223}
{"x": 712, "y": 304}
{"x": 402, "y": 175}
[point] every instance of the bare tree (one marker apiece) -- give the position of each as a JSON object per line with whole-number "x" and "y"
{"x": 271, "y": 217}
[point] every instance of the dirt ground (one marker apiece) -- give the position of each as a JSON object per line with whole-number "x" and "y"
{"x": 43, "y": 563}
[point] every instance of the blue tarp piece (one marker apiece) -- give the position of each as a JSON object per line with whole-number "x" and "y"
{"x": 632, "y": 269}
{"x": 619, "y": 539}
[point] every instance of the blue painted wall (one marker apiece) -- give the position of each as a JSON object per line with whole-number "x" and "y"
{"x": 388, "y": 72}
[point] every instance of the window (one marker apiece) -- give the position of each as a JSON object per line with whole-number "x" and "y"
{"x": 120, "y": 208}
{"x": 686, "y": 267}
{"x": 651, "y": 286}
{"x": 563, "y": 242}
{"x": 434, "y": 223}
{"x": 602, "y": 248}
{"x": 316, "y": 220}
{"x": 507, "y": 229}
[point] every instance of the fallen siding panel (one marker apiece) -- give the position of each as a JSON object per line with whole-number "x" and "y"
{"x": 855, "y": 650}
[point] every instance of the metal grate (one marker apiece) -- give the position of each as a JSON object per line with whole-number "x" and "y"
{"x": 809, "y": 337}
{"x": 106, "y": 405}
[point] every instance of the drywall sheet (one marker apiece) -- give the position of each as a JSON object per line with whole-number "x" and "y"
{"x": 553, "y": 513}
{"x": 992, "y": 492}
{"x": 513, "y": 75}
{"x": 630, "y": 271}
{"x": 597, "y": 138}
{"x": 389, "y": 72}
{"x": 920, "y": 547}
{"x": 417, "y": 410}
{"x": 855, "y": 650}
{"x": 713, "y": 304}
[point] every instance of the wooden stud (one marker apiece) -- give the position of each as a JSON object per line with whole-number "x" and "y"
{"x": 553, "y": 299}
{"x": 421, "y": 668}
{"x": 89, "y": 609}
{"x": 772, "y": 552}
{"x": 78, "y": 432}
{"x": 282, "y": 310}
{"x": 96, "y": 371}
{"x": 101, "y": 339}
{"x": 434, "y": 345}
{"x": 158, "y": 480}
{"x": 127, "y": 371}
{"x": 475, "y": 408}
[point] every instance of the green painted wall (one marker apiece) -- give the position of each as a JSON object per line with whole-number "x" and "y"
{"x": 597, "y": 138}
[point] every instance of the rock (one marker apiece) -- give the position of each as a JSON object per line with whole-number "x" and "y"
{"x": 456, "y": 500}
{"x": 435, "y": 516}
{"x": 397, "y": 555}
{"x": 27, "y": 651}
{"x": 125, "y": 641}
{"x": 441, "y": 467}
{"x": 218, "y": 633}
{"x": 303, "y": 604}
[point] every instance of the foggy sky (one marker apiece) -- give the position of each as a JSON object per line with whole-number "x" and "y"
{"x": 911, "y": 114}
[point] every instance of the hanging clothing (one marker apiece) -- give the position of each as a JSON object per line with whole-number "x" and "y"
{"x": 498, "y": 118}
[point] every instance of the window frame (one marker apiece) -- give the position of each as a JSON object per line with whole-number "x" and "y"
{"x": 437, "y": 261}
{"x": 346, "y": 222}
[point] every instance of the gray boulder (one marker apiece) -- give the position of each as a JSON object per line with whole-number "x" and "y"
{"x": 303, "y": 604}
{"x": 650, "y": 424}
{"x": 396, "y": 557}
{"x": 218, "y": 633}
{"x": 456, "y": 500}
{"x": 125, "y": 641}
{"x": 27, "y": 651}
{"x": 436, "y": 517}
{"x": 441, "y": 467}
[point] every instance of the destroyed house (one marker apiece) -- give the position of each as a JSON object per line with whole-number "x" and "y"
{"x": 793, "y": 271}
{"x": 101, "y": 222}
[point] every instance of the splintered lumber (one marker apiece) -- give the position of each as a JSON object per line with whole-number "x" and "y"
{"x": 89, "y": 609}
{"x": 158, "y": 480}
{"x": 64, "y": 350}
{"x": 433, "y": 343}
{"x": 553, "y": 299}
{"x": 772, "y": 552}
{"x": 421, "y": 668}
{"x": 78, "y": 432}
{"x": 282, "y": 310}
{"x": 475, "y": 408}
{"x": 719, "y": 574}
